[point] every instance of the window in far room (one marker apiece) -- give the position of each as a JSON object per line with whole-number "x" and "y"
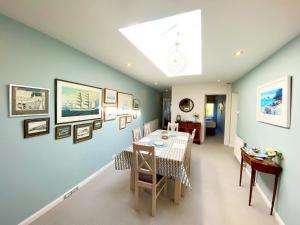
{"x": 209, "y": 110}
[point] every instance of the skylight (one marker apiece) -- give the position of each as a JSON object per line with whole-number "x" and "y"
{"x": 173, "y": 44}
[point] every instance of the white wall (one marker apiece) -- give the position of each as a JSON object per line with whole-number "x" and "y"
{"x": 197, "y": 93}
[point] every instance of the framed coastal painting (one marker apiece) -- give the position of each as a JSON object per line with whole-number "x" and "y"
{"x": 110, "y": 96}
{"x": 97, "y": 124}
{"x": 82, "y": 132}
{"x": 36, "y": 127}
{"x": 122, "y": 122}
{"x": 134, "y": 115}
{"x": 110, "y": 113}
{"x": 125, "y": 103}
{"x": 76, "y": 102}
{"x": 274, "y": 102}
{"x": 63, "y": 132}
{"x": 28, "y": 101}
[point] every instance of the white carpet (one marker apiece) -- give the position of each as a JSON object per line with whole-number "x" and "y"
{"x": 216, "y": 198}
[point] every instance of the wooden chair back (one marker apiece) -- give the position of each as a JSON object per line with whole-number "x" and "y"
{"x": 193, "y": 134}
{"x": 136, "y": 134}
{"x": 173, "y": 126}
{"x": 147, "y": 129}
{"x": 144, "y": 161}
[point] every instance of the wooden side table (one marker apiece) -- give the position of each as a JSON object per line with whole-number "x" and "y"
{"x": 264, "y": 166}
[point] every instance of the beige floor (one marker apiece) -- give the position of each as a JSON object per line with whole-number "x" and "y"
{"x": 215, "y": 199}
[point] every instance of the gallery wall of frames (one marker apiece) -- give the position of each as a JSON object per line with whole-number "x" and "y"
{"x": 79, "y": 109}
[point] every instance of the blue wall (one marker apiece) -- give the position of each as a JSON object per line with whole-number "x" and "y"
{"x": 35, "y": 171}
{"x": 285, "y": 62}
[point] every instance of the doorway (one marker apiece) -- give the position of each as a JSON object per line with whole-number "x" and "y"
{"x": 215, "y": 116}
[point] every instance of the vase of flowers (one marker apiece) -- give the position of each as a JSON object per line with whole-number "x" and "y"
{"x": 196, "y": 117}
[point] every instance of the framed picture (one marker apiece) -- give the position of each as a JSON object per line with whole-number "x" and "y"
{"x": 63, "y": 132}
{"x": 136, "y": 104}
{"x": 134, "y": 115}
{"x": 273, "y": 102}
{"x": 36, "y": 127}
{"x": 110, "y": 113}
{"x": 128, "y": 119}
{"x": 122, "y": 122}
{"x": 28, "y": 101}
{"x": 125, "y": 103}
{"x": 76, "y": 102}
{"x": 82, "y": 132}
{"x": 97, "y": 124}
{"x": 110, "y": 96}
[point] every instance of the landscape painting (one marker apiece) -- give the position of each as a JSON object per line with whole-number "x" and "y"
{"x": 273, "y": 102}
{"x": 28, "y": 101}
{"x": 77, "y": 102}
{"x": 125, "y": 103}
{"x": 36, "y": 127}
{"x": 110, "y": 96}
{"x": 63, "y": 132}
{"x": 83, "y": 132}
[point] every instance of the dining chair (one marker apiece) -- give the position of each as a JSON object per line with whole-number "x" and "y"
{"x": 188, "y": 155}
{"x": 147, "y": 129}
{"x": 136, "y": 134}
{"x": 193, "y": 134}
{"x": 172, "y": 126}
{"x": 145, "y": 174}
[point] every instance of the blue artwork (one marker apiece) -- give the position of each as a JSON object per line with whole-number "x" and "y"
{"x": 271, "y": 102}
{"x": 77, "y": 102}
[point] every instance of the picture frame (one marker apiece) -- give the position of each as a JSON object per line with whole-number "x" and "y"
{"x": 63, "y": 132}
{"x": 28, "y": 101}
{"x": 136, "y": 104}
{"x": 110, "y": 96}
{"x": 274, "y": 102}
{"x": 82, "y": 132}
{"x": 122, "y": 122}
{"x": 76, "y": 102}
{"x": 110, "y": 113}
{"x": 124, "y": 103}
{"x": 134, "y": 115}
{"x": 128, "y": 119}
{"x": 97, "y": 124}
{"x": 36, "y": 127}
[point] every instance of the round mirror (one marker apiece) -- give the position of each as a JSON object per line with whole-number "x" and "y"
{"x": 186, "y": 105}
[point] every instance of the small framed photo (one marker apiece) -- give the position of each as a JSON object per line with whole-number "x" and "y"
{"x": 122, "y": 122}
{"x": 63, "y": 132}
{"x": 36, "y": 127}
{"x": 82, "y": 132}
{"x": 128, "y": 119}
{"x": 97, "y": 124}
{"x": 110, "y": 113}
{"x": 28, "y": 101}
{"x": 110, "y": 96}
{"x": 136, "y": 103}
{"x": 134, "y": 115}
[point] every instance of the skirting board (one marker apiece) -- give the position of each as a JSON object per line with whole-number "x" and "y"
{"x": 54, "y": 203}
{"x": 266, "y": 200}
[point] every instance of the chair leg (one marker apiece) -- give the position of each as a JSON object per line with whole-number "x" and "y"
{"x": 153, "y": 212}
{"x": 166, "y": 188}
{"x": 136, "y": 197}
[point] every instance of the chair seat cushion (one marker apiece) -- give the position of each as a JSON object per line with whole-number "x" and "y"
{"x": 148, "y": 178}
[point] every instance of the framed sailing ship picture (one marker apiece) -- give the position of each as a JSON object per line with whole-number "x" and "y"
{"x": 125, "y": 103}
{"x": 76, "y": 102}
{"x": 28, "y": 101}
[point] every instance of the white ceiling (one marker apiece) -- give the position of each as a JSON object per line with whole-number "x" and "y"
{"x": 259, "y": 27}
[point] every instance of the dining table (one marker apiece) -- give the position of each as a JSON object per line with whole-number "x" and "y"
{"x": 170, "y": 158}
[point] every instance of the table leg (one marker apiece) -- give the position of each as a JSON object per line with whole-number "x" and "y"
{"x": 177, "y": 192}
{"x": 241, "y": 170}
{"x": 251, "y": 185}
{"x": 254, "y": 177}
{"x": 132, "y": 180}
{"x": 274, "y": 193}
